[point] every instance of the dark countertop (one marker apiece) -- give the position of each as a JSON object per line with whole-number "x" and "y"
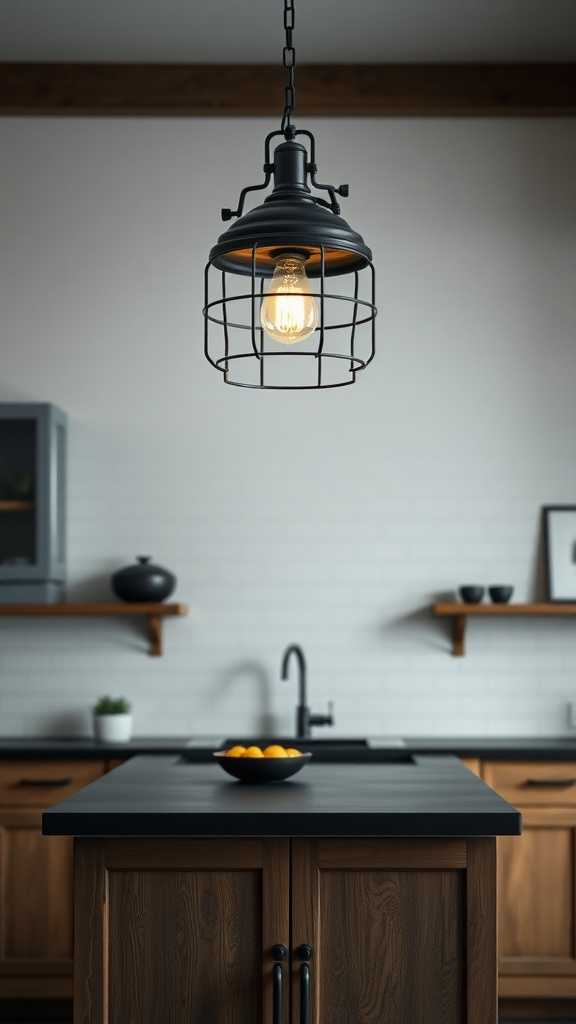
{"x": 165, "y": 796}
{"x": 500, "y": 748}
{"x": 87, "y": 748}
{"x": 551, "y": 748}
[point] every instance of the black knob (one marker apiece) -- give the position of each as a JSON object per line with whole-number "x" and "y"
{"x": 279, "y": 952}
{"x": 343, "y": 190}
{"x": 304, "y": 952}
{"x": 227, "y": 213}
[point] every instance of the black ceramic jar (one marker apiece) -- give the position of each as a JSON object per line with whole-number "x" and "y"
{"x": 143, "y": 582}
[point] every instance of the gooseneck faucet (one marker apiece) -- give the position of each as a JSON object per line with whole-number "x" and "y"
{"x": 305, "y": 718}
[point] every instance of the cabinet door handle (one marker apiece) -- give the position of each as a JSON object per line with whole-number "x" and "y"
{"x": 46, "y": 783}
{"x": 563, "y": 783}
{"x": 279, "y": 952}
{"x": 305, "y": 955}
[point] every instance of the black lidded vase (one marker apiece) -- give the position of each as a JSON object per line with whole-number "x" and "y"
{"x": 143, "y": 582}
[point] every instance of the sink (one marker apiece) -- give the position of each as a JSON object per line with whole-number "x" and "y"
{"x": 313, "y": 743}
{"x": 324, "y": 742}
{"x": 334, "y": 749}
{"x": 338, "y": 749}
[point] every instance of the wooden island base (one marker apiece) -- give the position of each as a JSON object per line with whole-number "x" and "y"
{"x": 183, "y": 931}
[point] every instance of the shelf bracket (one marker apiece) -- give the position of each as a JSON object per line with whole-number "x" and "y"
{"x": 155, "y": 636}
{"x": 459, "y": 636}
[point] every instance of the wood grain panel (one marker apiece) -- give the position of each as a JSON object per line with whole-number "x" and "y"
{"x": 36, "y": 877}
{"x": 481, "y": 925}
{"x": 375, "y": 90}
{"x": 533, "y": 783}
{"x": 90, "y": 933}
{"x": 196, "y": 936}
{"x": 411, "y": 925}
{"x": 376, "y": 853}
{"x": 38, "y": 783}
{"x": 537, "y": 915}
{"x": 179, "y": 931}
{"x": 182, "y": 855}
{"x": 389, "y": 940}
{"x": 537, "y": 988}
{"x": 35, "y": 897}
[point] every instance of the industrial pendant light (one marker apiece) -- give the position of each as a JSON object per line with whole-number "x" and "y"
{"x": 296, "y": 241}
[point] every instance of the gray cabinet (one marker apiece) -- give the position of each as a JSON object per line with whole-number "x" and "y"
{"x": 32, "y": 502}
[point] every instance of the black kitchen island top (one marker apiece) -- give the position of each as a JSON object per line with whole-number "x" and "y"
{"x": 162, "y": 796}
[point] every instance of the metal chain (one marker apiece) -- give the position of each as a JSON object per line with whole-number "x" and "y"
{"x": 289, "y": 64}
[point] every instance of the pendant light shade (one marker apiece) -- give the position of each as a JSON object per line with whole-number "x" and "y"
{"x": 271, "y": 301}
{"x": 290, "y": 218}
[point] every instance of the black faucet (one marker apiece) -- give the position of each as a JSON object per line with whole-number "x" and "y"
{"x": 305, "y": 719}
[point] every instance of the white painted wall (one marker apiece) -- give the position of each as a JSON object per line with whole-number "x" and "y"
{"x": 331, "y": 519}
{"x": 222, "y": 32}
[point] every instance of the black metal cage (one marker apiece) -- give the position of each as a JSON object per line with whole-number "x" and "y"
{"x": 243, "y": 352}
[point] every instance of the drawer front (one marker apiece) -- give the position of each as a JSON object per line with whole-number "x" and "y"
{"x": 43, "y": 783}
{"x": 528, "y": 783}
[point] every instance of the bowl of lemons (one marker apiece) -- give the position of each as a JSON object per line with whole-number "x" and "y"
{"x": 254, "y": 764}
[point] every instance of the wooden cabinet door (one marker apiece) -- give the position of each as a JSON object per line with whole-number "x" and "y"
{"x": 180, "y": 931}
{"x": 400, "y": 931}
{"x": 537, "y": 912}
{"x": 36, "y": 883}
{"x": 35, "y": 904}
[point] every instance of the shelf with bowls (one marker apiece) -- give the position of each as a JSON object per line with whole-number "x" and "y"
{"x": 153, "y": 614}
{"x": 459, "y": 613}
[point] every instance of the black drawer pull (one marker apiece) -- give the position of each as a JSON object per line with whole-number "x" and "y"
{"x": 550, "y": 783}
{"x": 304, "y": 953}
{"x": 279, "y": 952}
{"x": 45, "y": 783}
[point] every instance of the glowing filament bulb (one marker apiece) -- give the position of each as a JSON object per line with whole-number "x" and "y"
{"x": 289, "y": 313}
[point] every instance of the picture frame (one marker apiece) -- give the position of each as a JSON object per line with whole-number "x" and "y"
{"x": 559, "y": 523}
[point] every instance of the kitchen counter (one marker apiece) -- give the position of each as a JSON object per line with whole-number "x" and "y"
{"x": 201, "y": 898}
{"x": 163, "y": 796}
{"x": 80, "y": 748}
{"x": 499, "y": 748}
{"x": 200, "y": 748}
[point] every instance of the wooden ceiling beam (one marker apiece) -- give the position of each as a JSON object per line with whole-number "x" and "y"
{"x": 361, "y": 90}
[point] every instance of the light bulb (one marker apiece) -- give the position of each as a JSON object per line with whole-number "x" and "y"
{"x": 289, "y": 313}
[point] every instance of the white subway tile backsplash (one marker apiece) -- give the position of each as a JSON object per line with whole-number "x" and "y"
{"x": 332, "y": 519}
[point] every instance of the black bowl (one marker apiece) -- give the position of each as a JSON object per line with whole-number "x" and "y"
{"x": 471, "y": 593}
{"x": 261, "y": 769}
{"x": 500, "y": 594}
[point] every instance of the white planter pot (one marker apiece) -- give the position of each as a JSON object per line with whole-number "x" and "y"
{"x": 113, "y": 728}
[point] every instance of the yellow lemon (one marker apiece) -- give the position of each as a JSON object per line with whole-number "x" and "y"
{"x": 292, "y": 752}
{"x": 236, "y": 751}
{"x": 253, "y": 752}
{"x": 275, "y": 750}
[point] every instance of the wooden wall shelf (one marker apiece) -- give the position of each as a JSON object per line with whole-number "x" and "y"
{"x": 12, "y": 505}
{"x": 153, "y": 614}
{"x": 460, "y": 613}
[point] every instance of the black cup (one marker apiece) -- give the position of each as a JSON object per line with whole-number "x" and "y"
{"x": 500, "y": 593}
{"x": 471, "y": 593}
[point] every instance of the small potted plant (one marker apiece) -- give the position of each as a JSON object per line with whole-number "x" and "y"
{"x": 113, "y": 720}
